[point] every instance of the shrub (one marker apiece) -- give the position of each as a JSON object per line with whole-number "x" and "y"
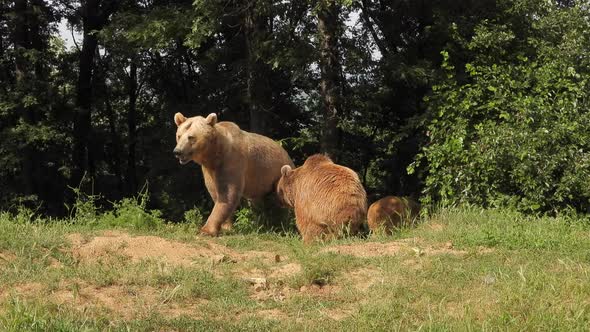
{"x": 133, "y": 212}
{"x": 512, "y": 128}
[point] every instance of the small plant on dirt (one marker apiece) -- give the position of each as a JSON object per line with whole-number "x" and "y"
{"x": 246, "y": 221}
{"x": 84, "y": 210}
{"x": 194, "y": 217}
{"x": 133, "y": 212}
{"x": 320, "y": 268}
{"x": 264, "y": 216}
{"x": 24, "y": 215}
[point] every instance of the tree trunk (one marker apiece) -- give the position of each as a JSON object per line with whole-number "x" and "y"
{"x": 258, "y": 91}
{"x": 330, "y": 85}
{"x": 94, "y": 17}
{"x": 132, "y": 127}
{"x": 116, "y": 160}
{"x": 82, "y": 121}
{"x": 366, "y": 15}
{"x": 29, "y": 74}
{"x": 22, "y": 45}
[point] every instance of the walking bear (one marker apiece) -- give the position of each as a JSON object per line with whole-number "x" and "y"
{"x": 235, "y": 163}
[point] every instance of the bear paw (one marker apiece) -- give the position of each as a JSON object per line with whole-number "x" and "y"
{"x": 227, "y": 226}
{"x": 207, "y": 231}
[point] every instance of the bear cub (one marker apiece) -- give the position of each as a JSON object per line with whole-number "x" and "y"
{"x": 391, "y": 212}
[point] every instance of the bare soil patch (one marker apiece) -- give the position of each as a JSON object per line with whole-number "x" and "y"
{"x": 285, "y": 271}
{"x": 320, "y": 291}
{"x": 138, "y": 248}
{"x": 435, "y": 226}
{"x": 273, "y": 314}
{"x": 125, "y": 302}
{"x": 362, "y": 279}
{"x": 6, "y": 257}
{"x": 339, "y": 313}
{"x": 76, "y": 239}
{"x": 280, "y": 293}
{"x": 22, "y": 290}
{"x": 393, "y": 248}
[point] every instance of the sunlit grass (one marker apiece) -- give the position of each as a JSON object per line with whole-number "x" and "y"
{"x": 464, "y": 269}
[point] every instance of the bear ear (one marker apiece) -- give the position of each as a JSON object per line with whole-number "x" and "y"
{"x": 286, "y": 170}
{"x": 211, "y": 119}
{"x": 179, "y": 118}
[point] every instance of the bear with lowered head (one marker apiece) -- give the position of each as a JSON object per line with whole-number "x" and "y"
{"x": 329, "y": 199}
{"x": 391, "y": 212}
{"x": 235, "y": 163}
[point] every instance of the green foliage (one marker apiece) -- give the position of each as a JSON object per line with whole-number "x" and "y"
{"x": 246, "y": 221}
{"x": 511, "y": 129}
{"x": 263, "y": 216}
{"x": 470, "y": 226}
{"x": 322, "y": 269}
{"x": 127, "y": 213}
{"x": 506, "y": 110}
{"x": 84, "y": 209}
{"x": 133, "y": 213}
{"x": 194, "y": 217}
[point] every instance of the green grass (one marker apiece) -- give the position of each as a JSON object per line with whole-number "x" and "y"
{"x": 464, "y": 269}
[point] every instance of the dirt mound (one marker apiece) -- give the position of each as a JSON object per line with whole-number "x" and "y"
{"x": 339, "y": 313}
{"x": 138, "y": 248}
{"x": 25, "y": 289}
{"x": 374, "y": 249}
{"x": 437, "y": 227}
{"x": 123, "y": 301}
{"x": 285, "y": 271}
{"x": 6, "y": 257}
{"x": 272, "y": 314}
{"x": 362, "y": 279}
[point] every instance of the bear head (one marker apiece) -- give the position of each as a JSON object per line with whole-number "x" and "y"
{"x": 194, "y": 136}
{"x": 285, "y": 190}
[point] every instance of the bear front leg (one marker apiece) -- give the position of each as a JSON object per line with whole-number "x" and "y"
{"x": 310, "y": 231}
{"x": 221, "y": 212}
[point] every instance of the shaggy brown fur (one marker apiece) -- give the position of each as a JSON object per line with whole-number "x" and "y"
{"x": 391, "y": 212}
{"x": 328, "y": 199}
{"x": 235, "y": 163}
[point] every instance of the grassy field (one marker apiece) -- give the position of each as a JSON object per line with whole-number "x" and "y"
{"x": 458, "y": 270}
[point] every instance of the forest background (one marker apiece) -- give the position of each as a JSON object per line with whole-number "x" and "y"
{"x": 483, "y": 102}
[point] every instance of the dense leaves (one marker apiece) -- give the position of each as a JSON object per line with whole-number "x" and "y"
{"x": 514, "y": 129}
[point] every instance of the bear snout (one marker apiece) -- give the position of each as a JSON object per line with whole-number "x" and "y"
{"x": 182, "y": 157}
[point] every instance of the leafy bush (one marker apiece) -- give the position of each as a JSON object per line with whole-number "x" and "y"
{"x": 132, "y": 212}
{"x": 246, "y": 221}
{"x": 84, "y": 210}
{"x": 512, "y": 128}
{"x": 129, "y": 212}
{"x": 194, "y": 216}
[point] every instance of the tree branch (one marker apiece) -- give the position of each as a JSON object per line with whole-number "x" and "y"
{"x": 367, "y": 19}
{"x": 74, "y": 38}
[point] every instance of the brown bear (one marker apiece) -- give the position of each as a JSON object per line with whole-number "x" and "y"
{"x": 235, "y": 163}
{"x": 390, "y": 212}
{"x": 328, "y": 199}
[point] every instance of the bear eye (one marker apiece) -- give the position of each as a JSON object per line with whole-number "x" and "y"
{"x": 191, "y": 137}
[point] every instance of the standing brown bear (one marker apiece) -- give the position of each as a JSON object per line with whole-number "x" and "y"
{"x": 328, "y": 199}
{"x": 390, "y": 212}
{"x": 235, "y": 163}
